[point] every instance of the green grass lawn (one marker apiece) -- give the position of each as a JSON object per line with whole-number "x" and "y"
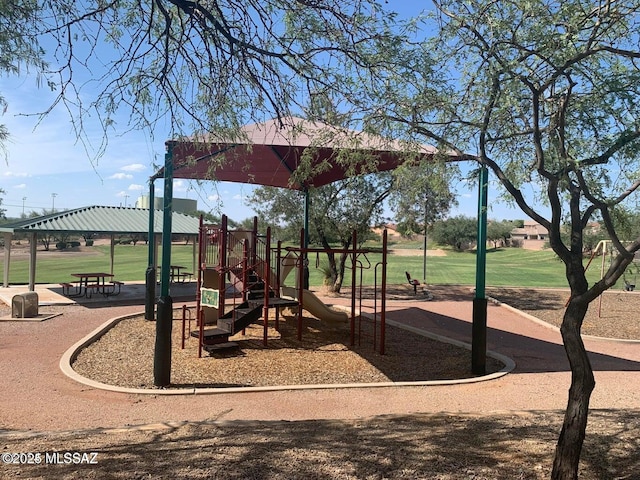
{"x": 130, "y": 263}
{"x": 505, "y": 267}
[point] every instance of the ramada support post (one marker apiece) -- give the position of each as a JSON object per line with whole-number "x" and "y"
{"x": 303, "y": 259}
{"x": 354, "y": 239}
{"x": 479, "y": 321}
{"x": 383, "y": 298}
{"x": 164, "y": 323}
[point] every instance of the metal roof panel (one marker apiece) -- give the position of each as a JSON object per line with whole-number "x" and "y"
{"x": 104, "y": 219}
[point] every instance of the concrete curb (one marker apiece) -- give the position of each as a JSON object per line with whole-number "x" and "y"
{"x": 72, "y": 353}
{"x": 556, "y": 329}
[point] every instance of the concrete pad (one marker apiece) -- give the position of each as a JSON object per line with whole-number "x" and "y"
{"x": 46, "y": 294}
{"x": 41, "y": 317}
{"x": 130, "y": 292}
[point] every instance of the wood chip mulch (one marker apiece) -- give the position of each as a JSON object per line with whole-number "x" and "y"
{"x": 124, "y": 356}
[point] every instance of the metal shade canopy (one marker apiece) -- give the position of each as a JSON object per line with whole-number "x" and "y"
{"x": 290, "y": 153}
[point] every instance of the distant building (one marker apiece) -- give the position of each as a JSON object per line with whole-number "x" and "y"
{"x": 180, "y": 205}
{"x": 532, "y": 236}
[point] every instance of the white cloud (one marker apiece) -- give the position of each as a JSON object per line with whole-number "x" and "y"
{"x": 15, "y": 174}
{"x": 214, "y": 198}
{"x": 120, "y": 176}
{"x": 134, "y": 167}
{"x": 135, "y": 187}
{"x": 237, "y": 197}
{"x": 20, "y": 186}
{"x": 180, "y": 186}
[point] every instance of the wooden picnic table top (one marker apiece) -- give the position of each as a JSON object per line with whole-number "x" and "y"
{"x": 92, "y": 274}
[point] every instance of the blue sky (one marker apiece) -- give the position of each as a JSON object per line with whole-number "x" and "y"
{"x": 46, "y": 167}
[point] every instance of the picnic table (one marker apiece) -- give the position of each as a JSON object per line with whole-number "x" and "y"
{"x": 177, "y": 275}
{"x": 89, "y": 282}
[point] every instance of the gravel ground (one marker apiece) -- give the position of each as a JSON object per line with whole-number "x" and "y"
{"x": 615, "y": 315}
{"x": 424, "y": 446}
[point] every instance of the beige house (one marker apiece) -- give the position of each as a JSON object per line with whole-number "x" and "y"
{"x": 532, "y": 236}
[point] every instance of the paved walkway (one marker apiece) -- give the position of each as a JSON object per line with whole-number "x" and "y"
{"x": 35, "y": 394}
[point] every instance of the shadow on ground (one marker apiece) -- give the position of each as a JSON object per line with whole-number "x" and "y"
{"x": 531, "y": 355}
{"x": 414, "y": 446}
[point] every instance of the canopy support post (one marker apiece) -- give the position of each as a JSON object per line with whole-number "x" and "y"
{"x": 7, "y": 258}
{"x": 112, "y": 253}
{"x": 33, "y": 248}
{"x": 479, "y": 323}
{"x": 305, "y": 259}
{"x": 164, "y": 323}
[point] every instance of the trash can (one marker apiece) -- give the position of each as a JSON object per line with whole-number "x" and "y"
{"x": 24, "y": 305}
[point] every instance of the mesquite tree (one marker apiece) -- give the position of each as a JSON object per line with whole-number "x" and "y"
{"x": 336, "y": 210}
{"x": 206, "y": 66}
{"x": 547, "y": 94}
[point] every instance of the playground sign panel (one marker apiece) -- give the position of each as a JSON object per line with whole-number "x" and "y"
{"x": 209, "y": 297}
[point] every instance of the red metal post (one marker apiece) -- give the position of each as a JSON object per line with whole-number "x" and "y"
{"x": 222, "y": 264}
{"x": 200, "y": 332}
{"x": 267, "y": 274}
{"x": 254, "y": 242}
{"x": 278, "y": 271}
{"x": 245, "y": 269}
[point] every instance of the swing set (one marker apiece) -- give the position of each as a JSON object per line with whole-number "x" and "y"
{"x": 629, "y": 277}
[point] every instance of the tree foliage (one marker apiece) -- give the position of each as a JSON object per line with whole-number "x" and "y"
{"x": 357, "y": 204}
{"x": 499, "y": 232}
{"x": 546, "y": 93}
{"x": 336, "y": 211}
{"x": 208, "y": 66}
{"x": 459, "y": 232}
{"x": 421, "y": 195}
{"x": 19, "y": 46}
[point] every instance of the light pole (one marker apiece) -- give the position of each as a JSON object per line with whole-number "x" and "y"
{"x": 424, "y": 252}
{"x": 53, "y": 202}
{"x": 23, "y": 199}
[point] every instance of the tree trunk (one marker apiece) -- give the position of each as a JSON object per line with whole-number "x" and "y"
{"x": 333, "y": 272}
{"x": 338, "y": 269}
{"x": 567, "y": 455}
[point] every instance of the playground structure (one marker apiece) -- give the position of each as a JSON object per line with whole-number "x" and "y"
{"x": 242, "y": 275}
